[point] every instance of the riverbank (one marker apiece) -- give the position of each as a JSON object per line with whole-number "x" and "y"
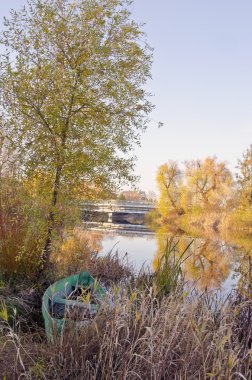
{"x": 204, "y": 224}
{"x": 156, "y": 330}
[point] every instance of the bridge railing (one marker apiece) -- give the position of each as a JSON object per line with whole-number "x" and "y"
{"x": 115, "y": 201}
{"x": 117, "y": 205}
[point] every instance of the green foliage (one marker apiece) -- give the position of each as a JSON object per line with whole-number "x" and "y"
{"x": 73, "y": 102}
{"x": 168, "y": 276}
{"x": 78, "y": 102}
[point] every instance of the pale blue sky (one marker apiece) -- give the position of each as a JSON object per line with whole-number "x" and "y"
{"x": 202, "y": 80}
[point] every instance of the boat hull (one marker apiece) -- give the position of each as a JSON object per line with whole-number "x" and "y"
{"x": 55, "y": 302}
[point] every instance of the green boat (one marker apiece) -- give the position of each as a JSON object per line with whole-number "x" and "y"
{"x": 71, "y": 301}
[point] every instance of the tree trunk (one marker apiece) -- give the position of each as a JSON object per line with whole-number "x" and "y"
{"x": 179, "y": 211}
{"x": 51, "y": 220}
{"x": 56, "y": 186}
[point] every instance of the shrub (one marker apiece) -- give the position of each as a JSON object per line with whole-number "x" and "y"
{"x": 22, "y": 231}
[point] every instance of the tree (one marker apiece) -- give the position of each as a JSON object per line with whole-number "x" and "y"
{"x": 7, "y": 156}
{"x": 208, "y": 182}
{"x": 169, "y": 181}
{"x": 72, "y": 93}
{"x": 244, "y": 178}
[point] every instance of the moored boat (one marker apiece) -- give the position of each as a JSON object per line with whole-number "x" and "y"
{"x": 73, "y": 300}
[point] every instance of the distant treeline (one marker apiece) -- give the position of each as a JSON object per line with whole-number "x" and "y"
{"x": 205, "y": 187}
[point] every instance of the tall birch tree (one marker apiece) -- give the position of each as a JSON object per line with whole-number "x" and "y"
{"x": 72, "y": 93}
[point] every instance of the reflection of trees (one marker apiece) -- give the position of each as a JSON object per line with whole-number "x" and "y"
{"x": 74, "y": 252}
{"x": 243, "y": 244}
{"x": 161, "y": 237}
{"x": 208, "y": 263}
{"x": 245, "y": 280}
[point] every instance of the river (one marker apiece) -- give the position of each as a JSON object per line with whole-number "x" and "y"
{"x": 207, "y": 264}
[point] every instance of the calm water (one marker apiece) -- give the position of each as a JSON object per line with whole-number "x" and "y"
{"x": 209, "y": 264}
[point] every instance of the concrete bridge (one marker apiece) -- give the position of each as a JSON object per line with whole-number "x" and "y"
{"x": 130, "y": 212}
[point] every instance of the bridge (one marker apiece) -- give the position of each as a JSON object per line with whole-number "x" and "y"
{"x": 130, "y": 212}
{"x": 119, "y": 206}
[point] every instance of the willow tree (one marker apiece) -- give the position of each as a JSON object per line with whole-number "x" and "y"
{"x": 72, "y": 93}
{"x": 208, "y": 182}
{"x": 244, "y": 179}
{"x": 169, "y": 184}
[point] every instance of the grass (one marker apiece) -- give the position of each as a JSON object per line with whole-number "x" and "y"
{"x": 155, "y": 329}
{"x": 171, "y": 339}
{"x": 3, "y": 311}
{"x": 22, "y": 233}
{"x": 143, "y": 336}
{"x": 169, "y": 275}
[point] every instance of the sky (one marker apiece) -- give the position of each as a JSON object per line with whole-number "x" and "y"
{"x": 201, "y": 81}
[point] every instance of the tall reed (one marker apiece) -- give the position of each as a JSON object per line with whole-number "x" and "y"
{"x": 176, "y": 338}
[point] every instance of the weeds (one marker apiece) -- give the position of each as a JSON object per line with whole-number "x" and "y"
{"x": 168, "y": 276}
{"x": 3, "y": 311}
{"x": 169, "y": 339}
{"x": 153, "y": 330}
{"x": 21, "y": 233}
{"x": 145, "y": 335}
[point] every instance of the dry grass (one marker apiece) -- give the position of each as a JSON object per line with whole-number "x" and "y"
{"x": 78, "y": 250}
{"x": 152, "y": 331}
{"x": 22, "y": 232}
{"x": 195, "y": 337}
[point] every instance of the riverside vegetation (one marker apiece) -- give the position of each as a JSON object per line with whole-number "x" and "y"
{"x": 72, "y": 105}
{"x": 204, "y": 196}
{"x": 157, "y": 329}
{"x": 203, "y": 200}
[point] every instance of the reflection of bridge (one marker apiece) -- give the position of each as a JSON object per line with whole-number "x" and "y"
{"x": 116, "y": 211}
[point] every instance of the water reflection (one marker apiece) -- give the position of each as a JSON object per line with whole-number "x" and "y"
{"x": 217, "y": 263}
{"x": 243, "y": 243}
{"x": 140, "y": 248}
{"x": 207, "y": 265}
